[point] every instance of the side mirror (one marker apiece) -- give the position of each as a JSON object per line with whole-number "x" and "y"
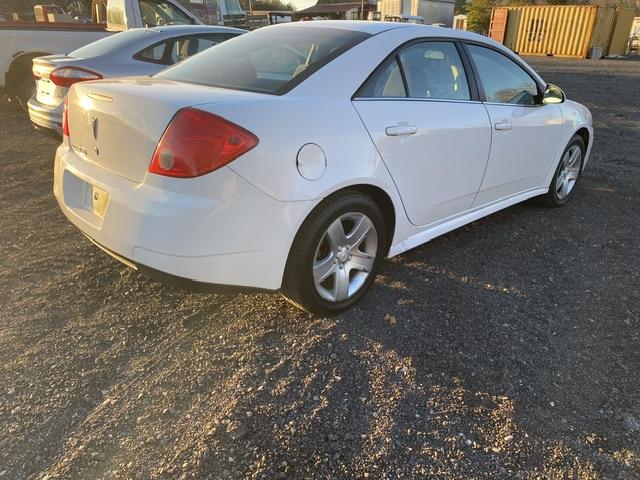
{"x": 552, "y": 95}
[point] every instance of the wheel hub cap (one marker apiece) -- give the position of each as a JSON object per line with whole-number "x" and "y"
{"x": 342, "y": 255}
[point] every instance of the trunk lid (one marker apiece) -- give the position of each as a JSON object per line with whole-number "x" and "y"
{"x": 47, "y": 92}
{"x": 117, "y": 123}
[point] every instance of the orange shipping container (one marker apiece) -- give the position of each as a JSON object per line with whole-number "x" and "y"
{"x": 558, "y": 30}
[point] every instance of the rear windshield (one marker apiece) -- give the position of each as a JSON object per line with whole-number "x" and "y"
{"x": 269, "y": 60}
{"x": 107, "y": 44}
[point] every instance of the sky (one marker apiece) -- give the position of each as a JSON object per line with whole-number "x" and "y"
{"x": 300, "y": 4}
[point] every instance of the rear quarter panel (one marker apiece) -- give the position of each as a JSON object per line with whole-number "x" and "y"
{"x": 283, "y": 125}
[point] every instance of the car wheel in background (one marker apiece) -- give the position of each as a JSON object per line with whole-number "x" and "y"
{"x": 26, "y": 89}
{"x": 567, "y": 174}
{"x": 336, "y": 254}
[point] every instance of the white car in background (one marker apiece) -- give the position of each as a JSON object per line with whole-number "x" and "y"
{"x": 299, "y": 155}
{"x": 140, "y": 51}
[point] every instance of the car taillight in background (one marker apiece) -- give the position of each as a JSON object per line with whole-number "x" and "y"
{"x": 65, "y": 117}
{"x": 197, "y": 142}
{"x": 67, "y": 76}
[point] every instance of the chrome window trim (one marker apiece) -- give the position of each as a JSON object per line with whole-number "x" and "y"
{"x": 414, "y": 99}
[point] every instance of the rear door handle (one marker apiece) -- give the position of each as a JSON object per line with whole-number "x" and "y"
{"x": 503, "y": 125}
{"x": 400, "y": 130}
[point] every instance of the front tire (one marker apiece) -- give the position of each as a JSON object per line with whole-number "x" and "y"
{"x": 336, "y": 254}
{"x": 567, "y": 174}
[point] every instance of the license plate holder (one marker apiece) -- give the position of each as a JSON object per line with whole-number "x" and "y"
{"x": 99, "y": 201}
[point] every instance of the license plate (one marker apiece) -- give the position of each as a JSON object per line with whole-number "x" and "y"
{"x": 99, "y": 199}
{"x": 45, "y": 89}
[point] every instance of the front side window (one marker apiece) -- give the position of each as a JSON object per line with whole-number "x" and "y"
{"x": 503, "y": 80}
{"x": 266, "y": 60}
{"x": 434, "y": 70}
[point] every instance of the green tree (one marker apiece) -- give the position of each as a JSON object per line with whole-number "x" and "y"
{"x": 479, "y": 15}
{"x": 461, "y": 7}
{"x": 568, "y": 2}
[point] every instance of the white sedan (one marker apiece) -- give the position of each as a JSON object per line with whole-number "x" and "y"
{"x": 298, "y": 156}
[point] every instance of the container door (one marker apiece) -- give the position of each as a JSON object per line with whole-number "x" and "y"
{"x": 498, "y": 25}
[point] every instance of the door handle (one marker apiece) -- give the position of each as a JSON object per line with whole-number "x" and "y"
{"x": 503, "y": 125}
{"x": 402, "y": 129}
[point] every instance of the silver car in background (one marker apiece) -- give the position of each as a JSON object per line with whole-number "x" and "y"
{"x": 134, "y": 52}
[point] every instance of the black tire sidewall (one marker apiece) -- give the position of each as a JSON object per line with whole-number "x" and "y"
{"x": 26, "y": 90}
{"x": 303, "y": 273}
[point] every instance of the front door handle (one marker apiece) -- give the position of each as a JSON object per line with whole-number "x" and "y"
{"x": 401, "y": 129}
{"x": 503, "y": 125}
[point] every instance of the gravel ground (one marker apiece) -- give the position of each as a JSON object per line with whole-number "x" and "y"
{"x": 506, "y": 349}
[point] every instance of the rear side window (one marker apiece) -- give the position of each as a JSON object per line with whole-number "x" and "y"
{"x": 270, "y": 60}
{"x": 503, "y": 80}
{"x": 188, "y": 46}
{"x": 431, "y": 70}
{"x": 434, "y": 70}
{"x": 177, "y": 49}
{"x": 387, "y": 83}
{"x": 154, "y": 54}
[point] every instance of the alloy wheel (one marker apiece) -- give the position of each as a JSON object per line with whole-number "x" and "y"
{"x": 569, "y": 171}
{"x": 345, "y": 256}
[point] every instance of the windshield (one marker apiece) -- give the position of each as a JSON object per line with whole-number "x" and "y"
{"x": 105, "y": 45}
{"x": 271, "y": 60}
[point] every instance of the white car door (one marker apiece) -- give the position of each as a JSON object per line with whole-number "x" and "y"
{"x": 526, "y": 134}
{"x": 422, "y": 113}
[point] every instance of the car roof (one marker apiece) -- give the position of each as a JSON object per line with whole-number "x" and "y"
{"x": 166, "y": 32}
{"x": 171, "y": 30}
{"x": 374, "y": 27}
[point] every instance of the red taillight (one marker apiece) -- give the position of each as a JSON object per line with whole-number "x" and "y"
{"x": 197, "y": 142}
{"x": 67, "y": 76}
{"x": 65, "y": 117}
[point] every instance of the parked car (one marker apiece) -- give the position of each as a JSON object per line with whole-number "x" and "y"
{"x": 297, "y": 156}
{"x": 134, "y": 52}
{"x": 22, "y": 41}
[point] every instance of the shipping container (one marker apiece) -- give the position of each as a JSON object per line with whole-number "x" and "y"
{"x": 620, "y": 36}
{"x": 562, "y": 30}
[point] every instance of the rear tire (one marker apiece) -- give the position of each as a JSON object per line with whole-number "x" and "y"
{"x": 26, "y": 89}
{"x": 567, "y": 174}
{"x": 336, "y": 254}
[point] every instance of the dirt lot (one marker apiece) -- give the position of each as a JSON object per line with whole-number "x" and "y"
{"x": 510, "y": 348}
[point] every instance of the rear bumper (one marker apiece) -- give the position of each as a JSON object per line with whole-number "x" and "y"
{"x": 45, "y": 117}
{"x": 216, "y": 229}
